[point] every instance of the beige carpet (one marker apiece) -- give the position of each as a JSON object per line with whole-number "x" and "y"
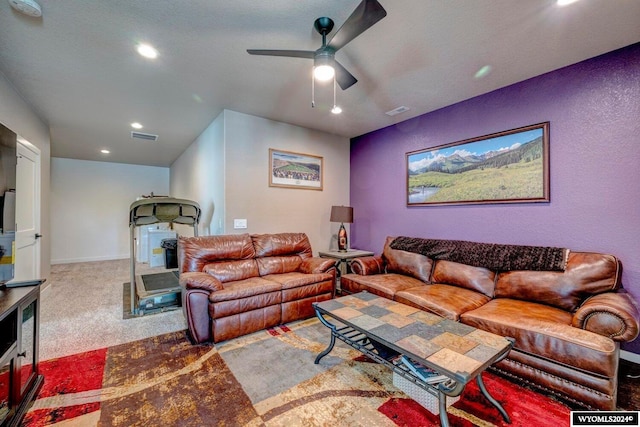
{"x": 81, "y": 309}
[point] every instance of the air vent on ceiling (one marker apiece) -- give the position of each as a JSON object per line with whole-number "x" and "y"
{"x": 397, "y": 111}
{"x": 145, "y": 136}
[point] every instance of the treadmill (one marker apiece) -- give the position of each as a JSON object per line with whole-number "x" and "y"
{"x": 149, "y": 211}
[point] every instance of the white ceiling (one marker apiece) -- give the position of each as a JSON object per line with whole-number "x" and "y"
{"x": 78, "y": 68}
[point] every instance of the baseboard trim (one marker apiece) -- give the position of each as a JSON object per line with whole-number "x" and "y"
{"x": 88, "y": 259}
{"x": 631, "y": 357}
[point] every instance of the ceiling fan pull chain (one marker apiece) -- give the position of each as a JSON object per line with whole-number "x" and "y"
{"x": 334, "y": 91}
{"x": 313, "y": 90}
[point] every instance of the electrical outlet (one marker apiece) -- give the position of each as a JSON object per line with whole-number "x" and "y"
{"x": 239, "y": 223}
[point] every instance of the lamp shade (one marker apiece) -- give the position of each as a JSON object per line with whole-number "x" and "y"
{"x": 341, "y": 214}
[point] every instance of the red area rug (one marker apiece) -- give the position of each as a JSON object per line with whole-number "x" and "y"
{"x": 525, "y": 408}
{"x": 264, "y": 379}
{"x": 75, "y": 374}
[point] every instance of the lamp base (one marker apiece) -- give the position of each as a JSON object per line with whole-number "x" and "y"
{"x": 342, "y": 239}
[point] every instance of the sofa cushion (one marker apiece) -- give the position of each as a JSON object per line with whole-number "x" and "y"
{"x": 267, "y": 245}
{"x": 278, "y": 264}
{"x": 239, "y": 289}
{"x": 229, "y": 271}
{"x": 444, "y": 300}
{"x": 294, "y": 279}
{"x": 586, "y": 274}
{"x": 466, "y": 276}
{"x": 298, "y": 286}
{"x": 546, "y": 332}
{"x": 384, "y": 285}
{"x": 196, "y": 252}
{"x": 408, "y": 263}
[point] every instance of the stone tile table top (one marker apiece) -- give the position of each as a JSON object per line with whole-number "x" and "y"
{"x": 447, "y": 346}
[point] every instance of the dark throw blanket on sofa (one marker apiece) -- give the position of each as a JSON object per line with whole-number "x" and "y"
{"x": 489, "y": 255}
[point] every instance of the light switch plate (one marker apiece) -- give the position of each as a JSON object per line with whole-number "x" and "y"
{"x": 239, "y": 223}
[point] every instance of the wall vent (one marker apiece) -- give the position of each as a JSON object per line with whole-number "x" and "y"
{"x": 145, "y": 136}
{"x": 397, "y": 111}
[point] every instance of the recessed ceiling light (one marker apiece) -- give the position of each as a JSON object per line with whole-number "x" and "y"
{"x": 136, "y": 125}
{"x": 483, "y": 72}
{"x": 565, "y": 2}
{"x": 28, "y": 7}
{"x": 147, "y": 51}
{"x": 105, "y": 151}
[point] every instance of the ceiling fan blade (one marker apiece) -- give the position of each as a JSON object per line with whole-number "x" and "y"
{"x": 344, "y": 78}
{"x": 289, "y": 53}
{"x": 363, "y": 17}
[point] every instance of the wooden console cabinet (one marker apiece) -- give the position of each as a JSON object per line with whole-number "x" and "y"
{"x": 19, "y": 329}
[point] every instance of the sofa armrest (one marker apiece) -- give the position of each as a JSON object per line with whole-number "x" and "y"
{"x": 200, "y": 280}
{"x": 367, "y": 266}
{"x": 317, "y": 265}
{"x": 612, "y": 314}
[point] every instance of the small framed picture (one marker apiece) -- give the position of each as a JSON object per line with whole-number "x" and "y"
{"x": 295, "y": 170}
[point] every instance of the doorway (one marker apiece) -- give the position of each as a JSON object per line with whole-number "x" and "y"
{"x": 28, "y": 237}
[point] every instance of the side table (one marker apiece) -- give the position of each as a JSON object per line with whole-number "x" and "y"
{"x": 343, "y": 261}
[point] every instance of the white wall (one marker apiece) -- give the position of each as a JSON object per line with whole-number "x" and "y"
{"x": 90, "y": 207}
{"x": 18, "y": 116}
{"x": 244, "y": 174}
{"x": 198, "y": 175}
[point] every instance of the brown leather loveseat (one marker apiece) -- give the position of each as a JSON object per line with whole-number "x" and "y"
{"x": 567, "y": 324}
{"x": 233, "y": 285}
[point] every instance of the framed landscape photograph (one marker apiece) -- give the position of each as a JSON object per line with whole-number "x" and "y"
{"x": 504, "y": 167}
{"x": 295, "y": 170}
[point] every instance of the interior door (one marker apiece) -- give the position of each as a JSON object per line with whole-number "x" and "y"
{"x": 27, "y": 246}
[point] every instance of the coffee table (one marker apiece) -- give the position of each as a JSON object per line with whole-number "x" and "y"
{"x": 386, "y": 331}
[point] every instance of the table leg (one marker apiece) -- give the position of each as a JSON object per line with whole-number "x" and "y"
{"x": 490, "y": 398}
{"x": 339, "y": 277}
{"x": 442, "y": 405}
{"x": 333, "y": 337}
{"x": 327, "y": 350}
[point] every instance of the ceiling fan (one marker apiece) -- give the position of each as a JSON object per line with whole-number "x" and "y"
{"x": 363, "y": 17}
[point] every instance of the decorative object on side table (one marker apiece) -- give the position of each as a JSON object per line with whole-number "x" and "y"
{"x": 342, "y": 214}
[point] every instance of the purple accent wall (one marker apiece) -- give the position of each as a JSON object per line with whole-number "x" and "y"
{"x": 594, "y": 112}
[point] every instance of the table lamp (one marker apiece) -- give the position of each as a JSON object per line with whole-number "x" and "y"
{"x": 342, "y": 214}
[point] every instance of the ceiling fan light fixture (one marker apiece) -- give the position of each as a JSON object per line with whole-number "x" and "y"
{"x": 323, "y": 72}
{"x": 323, "y": 66}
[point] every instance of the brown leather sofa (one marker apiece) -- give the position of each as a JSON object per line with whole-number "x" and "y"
{"x": 567, "y": 325}
{"x": 237, "y": 284}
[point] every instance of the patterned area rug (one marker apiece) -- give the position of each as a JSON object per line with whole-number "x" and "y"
{"x": 263, "y": 379}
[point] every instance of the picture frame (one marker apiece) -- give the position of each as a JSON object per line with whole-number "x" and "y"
{"x": 288, "y": 169}
{"x": 504, "y": 167}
